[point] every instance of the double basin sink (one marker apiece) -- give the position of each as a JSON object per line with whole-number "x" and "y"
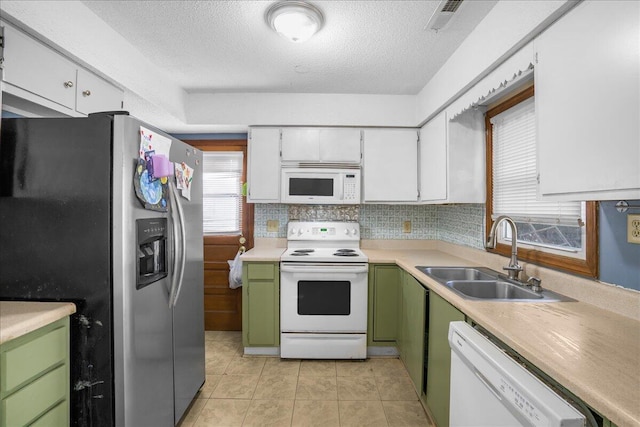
{"x": 480, "y": 283}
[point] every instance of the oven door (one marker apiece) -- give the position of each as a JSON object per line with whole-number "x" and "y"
{"x": 323, "y": 297}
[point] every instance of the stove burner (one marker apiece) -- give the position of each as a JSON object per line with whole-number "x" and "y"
{"x": 299, "y": 253}
{"x": 303, "y": 251}
{"x": 345, "y": 254}
{"x": 346, "y": 250}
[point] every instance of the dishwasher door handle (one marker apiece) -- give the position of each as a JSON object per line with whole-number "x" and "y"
{"x": 487, "y": 384}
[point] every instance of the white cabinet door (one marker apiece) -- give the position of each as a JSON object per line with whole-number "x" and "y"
{"x": 433, "y": 159}
{"x": 95, "y": 94}
{"x": 587, "y": 79}
{"x": 341, "y": 145}
{"x": 452, "y": 159}
{"x": 37, "y": 69}
{"x": 300, "y": 145}
{"x": 264, "y": 166}
{"x": 390, "y": 169}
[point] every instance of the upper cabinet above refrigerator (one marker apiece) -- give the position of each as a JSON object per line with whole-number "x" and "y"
{"x": 321, "y": 145}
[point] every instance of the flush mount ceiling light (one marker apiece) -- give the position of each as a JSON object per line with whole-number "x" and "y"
{"x": 295, "y": 20}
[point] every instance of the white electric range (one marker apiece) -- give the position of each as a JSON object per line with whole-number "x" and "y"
{"x": 323, "y": 292}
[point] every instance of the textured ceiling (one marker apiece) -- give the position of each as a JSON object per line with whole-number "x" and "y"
{"x": 365, "y": 47}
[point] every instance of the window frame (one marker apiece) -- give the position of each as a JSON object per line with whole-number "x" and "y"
{"x": 588, "y": 266}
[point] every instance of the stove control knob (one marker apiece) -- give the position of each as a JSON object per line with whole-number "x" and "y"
{"x": 354, "y": 232}
{"x": 300, "y": 232}
{"x": 346, "y": 231}
{"x": 293, "y": 231}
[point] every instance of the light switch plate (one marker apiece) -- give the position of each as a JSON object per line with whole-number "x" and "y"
{"x": 406, "y": 227}
{"x": 633, "y": 228}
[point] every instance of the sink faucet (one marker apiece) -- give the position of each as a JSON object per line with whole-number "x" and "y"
{"x": 513, "y": 268}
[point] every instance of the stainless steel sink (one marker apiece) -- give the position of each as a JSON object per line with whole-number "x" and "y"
{"x": 492, "y": 289}
{"x": 445, "y": 274}
{"x": 480, "y": 283}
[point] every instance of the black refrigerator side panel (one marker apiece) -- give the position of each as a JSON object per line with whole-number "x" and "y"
{"x": 55, "y": 234}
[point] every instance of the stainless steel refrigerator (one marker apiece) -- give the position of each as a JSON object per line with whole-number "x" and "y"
{"x": 72, "y": 228}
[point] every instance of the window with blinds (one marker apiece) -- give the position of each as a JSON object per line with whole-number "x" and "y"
{"x": 222, "y": 192}
{"x": 549, "y": 224}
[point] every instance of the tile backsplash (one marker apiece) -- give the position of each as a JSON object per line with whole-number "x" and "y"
{"x": 461, "y": 224}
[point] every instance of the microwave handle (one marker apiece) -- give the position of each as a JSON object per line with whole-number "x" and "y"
{"x": 341, "y": 186}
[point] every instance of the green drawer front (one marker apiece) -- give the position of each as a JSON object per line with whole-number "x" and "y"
{"x": 35, "y": 399}
{"x": 261, "y": 271}
{"x": 56, "y": 417}
{"x": 32, "y": 358}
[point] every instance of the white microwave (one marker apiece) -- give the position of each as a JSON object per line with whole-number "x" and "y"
{"x": 320, "y": 186}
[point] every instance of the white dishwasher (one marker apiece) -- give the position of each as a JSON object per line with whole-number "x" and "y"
{"x": 489, "y": 389}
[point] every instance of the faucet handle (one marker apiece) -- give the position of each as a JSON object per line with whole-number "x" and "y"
{"x": 535, "y": 283}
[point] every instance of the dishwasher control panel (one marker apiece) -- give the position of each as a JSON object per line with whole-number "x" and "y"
{"x": 522, "y": 404}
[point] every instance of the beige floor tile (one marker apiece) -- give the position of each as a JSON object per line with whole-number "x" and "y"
{"x": 396, "y": 388}
{"x": 227, "y": 348}
{"x": 215, "y": 364}
{"x": 357, "y": 388}
{"x": 277, "y": 366}
{"x": 362, "y": 413}
{"x": 317, "y": 388}
{"x": 318, "y": 368}
{"x": 387, "y": 367}
{"x": 269, "y": 413}
{"x": 211, "y": 381}
{"x": 276, "y": 387}
{"x": 320, "y": 413}
{"x": 235, "y": 387}
{"x": 405, "y": 414}
{"x": 245, "y": 366}
{"x": 223, "y": 412}
{"x": 191, "y": 415}
{"x": 354, "y": 368}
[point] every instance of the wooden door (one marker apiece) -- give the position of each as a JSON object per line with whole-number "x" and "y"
{"x": 223, "y": 305}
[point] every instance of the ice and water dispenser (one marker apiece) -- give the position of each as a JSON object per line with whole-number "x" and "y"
{"x": 152, "y": 248}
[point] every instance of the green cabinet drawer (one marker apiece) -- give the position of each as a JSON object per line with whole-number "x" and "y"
{"x": 56, "y": 417}
{"x": 261, "y": 271}
{"x": 26, "y": 358}
{"x": 37, "y": 398}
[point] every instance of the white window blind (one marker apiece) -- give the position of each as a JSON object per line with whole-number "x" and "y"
{"x": 515, "y": 172}
{"x": 222, "y": 192}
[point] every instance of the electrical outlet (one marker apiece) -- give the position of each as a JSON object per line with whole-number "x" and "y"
{"x": 273, "y": 225}
{"x": 406, "y": 227}
{"x": 633, "y": 228}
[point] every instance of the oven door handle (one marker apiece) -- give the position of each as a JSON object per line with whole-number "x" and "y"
{"x": 327, "y": 267}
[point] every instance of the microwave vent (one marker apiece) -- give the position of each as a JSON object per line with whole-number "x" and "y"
{"x": 310, "y": 165}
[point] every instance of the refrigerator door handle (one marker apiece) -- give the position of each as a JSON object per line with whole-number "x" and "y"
{"x": 183, "y": 246}
{"x": 176, "y": 232}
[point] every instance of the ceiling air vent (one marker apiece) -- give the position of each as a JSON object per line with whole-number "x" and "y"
{"x": 442, "y": 14}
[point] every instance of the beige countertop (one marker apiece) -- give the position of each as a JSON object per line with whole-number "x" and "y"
{"x": 18, "y": 318}
{"x": 593, "y": 352}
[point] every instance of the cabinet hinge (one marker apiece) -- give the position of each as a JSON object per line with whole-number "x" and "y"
{"x": 536, "y": 57}
{"x": 1, "y": 46}
{"x": 538, "y": 178}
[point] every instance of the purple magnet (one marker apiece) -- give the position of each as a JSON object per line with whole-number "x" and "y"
{"x": 159, "y": 166}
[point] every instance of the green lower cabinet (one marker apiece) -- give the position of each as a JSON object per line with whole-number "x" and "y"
{"x": 384, "y": 291}
{"x": 260, "y": 304}
{"x": 35, "y": 379}
{"x": 441, "y": 313}
{"x": 412, "y": 328}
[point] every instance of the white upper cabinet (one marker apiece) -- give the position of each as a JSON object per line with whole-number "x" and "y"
{"x": 324, "y": 145}
{"x": 43, "y": 76}
{"x": 587, "y": 83}
{"x": 390, "y": 167}
{"x": 264, "y": 166}
{"x": 452, "y": 160}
